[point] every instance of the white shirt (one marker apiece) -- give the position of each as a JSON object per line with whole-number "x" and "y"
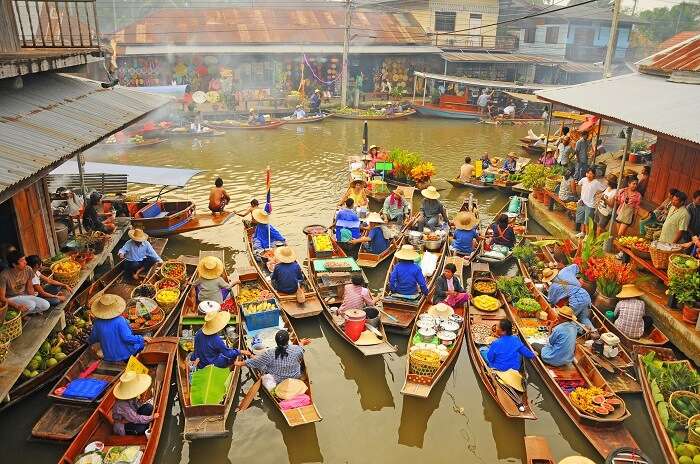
{"x": 300, "y": 114}
{"x": 603, "y": 207}
{"x": 508, "y": 110}
{"x": 589, "y": 190}
{"x": 483, "y": 100}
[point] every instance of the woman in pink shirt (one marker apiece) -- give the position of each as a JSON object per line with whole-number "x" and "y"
{"x": 356, "y": 295}
{"x": 628, "y": 199}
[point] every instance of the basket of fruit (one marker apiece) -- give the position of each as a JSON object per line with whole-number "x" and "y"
{"x": 173, "y": 269}
{"x": 484, "y": 287}
{"x": 66, "y": 271}
{"x": 144, "y": 290}
{"x": 260, "y": 315}
{"x": 683, "y": 405}
{"x": 486, "y": 303}
{"x": 527, "y": 307}
{"x": 638, "y": 245}
{"x": 143, "y": 315}
{"x": 167, "y": 283}
{"x": 661, "y": 252}
{"x": 323, "y": 245}
{"x": 167, "y": 298}
{"x": 680, "y": 265}
{"x": 12, "y": 326}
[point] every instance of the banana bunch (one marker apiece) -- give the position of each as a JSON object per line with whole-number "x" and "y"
{"x": 259, "y": 307}
{"x": 486, "y": 303}
{"x": 248, "y": 294}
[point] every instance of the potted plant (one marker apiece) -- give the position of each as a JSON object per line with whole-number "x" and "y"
{"x": 404, "y": 161}
{"x": 686, "y": 291}
{"x": 534, "y": 178}
{"x": 422, "y": 173}
{"x": 610, "y": 275}
{"x": 635, "y": 148}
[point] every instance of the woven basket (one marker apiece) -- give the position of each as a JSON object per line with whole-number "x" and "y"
{"x": 693, "y": 437}
{"x": 424, "y": 363}
{"x": 676, "y": 271}
{"x": 141, "y": 289}
{"x": 168, "y": 306}
{"x": 650, "y": 232}
{"x": 11, "y": 329}
{"x": 4, "y": 349}
{"x": 161, "y": 282}
{"x": 173, "y": 261}
{"x": 675, "y": 413}
{"x": 659, "y": 258}
{"x": 68, "y": 279}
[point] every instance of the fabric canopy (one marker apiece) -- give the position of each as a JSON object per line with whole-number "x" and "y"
{"x": 175, "y": 177}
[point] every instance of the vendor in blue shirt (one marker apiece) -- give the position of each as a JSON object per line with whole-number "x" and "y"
{"x": 406, "y": 277}
{"x": 347, "y": 228}
{"x": 374, "y": 241}
{"x": 465, "y": 233}
{"x": 112, "y": 331}
{"x": 287, "y": 275}
{"x": 507, "y": 350}
{"x": 265, "y": 234}
{"x": 566, "y": 289}
{"x": 209, "y": 348}
{"x": 510, "y": 164}
{"x": 559, "y": 350}
{"x": 139, "y": 254}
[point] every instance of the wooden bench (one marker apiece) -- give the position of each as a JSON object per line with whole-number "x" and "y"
{"x": 642, "y": 262}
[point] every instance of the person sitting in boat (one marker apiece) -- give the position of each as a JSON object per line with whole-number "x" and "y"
{"x": 299, "y": 112}
{"x": 549, "y": 158}
{"x": 449, "y": 289}
{"x": 130, "y": 415}
{"x": 218, "y": 198}
{"x": 503, "y": 234}
{"x": 391, "y": 108}
{"x": 287, "y": 275}
{"x": 210, "y": 285}
{"x": 376, "y": 155}
{"x": 395, "y": 208}
{"x": 566, "y": 290}
{"x": 255, "y": 119}
{"x": 509, "y": 111}
{"x": 376, "y": 241}
{"x": 465, "y": 233}
{"x": 284, "y": 362}
{"x": 356, "y": 295}
{"x": 561, "y": 345}
{"x": 510, "y": 164}
{"x": 630, "y": 311}
{"x": 486, "y": 162}
{"x": 357, "y": 192}
{"x": 139, "y": 254}
{"x": 347, "y": 228}
{"x": 46, "y": 287}
{"x": 406, "y": 278}
{"x": 432, "y": 211}
{"x": 254, "y": 204}
{"x": 466, "y": 171}
{"x": 209, "y": 348}
{"x": 315, "y": 102}
{"x": 265, "y": 234}
{"x": 112, "y": 331}
{"x": 507, "y": 351}
{"x": 94, "y": 220}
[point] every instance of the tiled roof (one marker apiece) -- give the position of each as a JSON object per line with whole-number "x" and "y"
{"x": 476, "y": 57}
{"x": 684, "y": 56}
{"x": 676, "y": 39}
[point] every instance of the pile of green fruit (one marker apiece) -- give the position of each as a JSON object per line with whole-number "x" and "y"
{"x": 685, "y": 262}
{"x": 686, "y": 405}
{"x": 688, "y": 454}
{"x": 58, "y": 346}
{"x": 11, "y": 314}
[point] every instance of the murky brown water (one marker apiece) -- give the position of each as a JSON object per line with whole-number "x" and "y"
{"x": 366, "y": 419}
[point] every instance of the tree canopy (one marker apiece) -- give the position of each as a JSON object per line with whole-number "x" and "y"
{"x": 663, "y": 23}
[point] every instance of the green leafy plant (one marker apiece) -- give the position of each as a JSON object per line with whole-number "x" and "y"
{"x": 591, "y": 247}
{"x": 535, "y": 175}
{"x": 209, "y": 385}
{"x": 399, "y": 90}
{"x": 526, "y": 253}
{"x": 404, "y": 161}
{"x": 686, "y": 289}
{"x": 639, "y": 145}
{"x": 513, "y": 287}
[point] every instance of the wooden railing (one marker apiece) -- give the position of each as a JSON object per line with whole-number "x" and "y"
{"x": 477, "y": 42}
{"x": 56, "y": 24}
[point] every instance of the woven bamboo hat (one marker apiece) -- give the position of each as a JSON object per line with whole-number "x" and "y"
{"x": 108, "y": 306}
{"x": 131, "y": 385}
{"x": 215, "y": 322}
{"x": 465, "y": 220}
{"x": 441, "y": 310}
{"x": 261, "y": 216}
{"x": 285, "y": 254}
{"x": 567, "y": 313}
{"x": 630, "y": 291}
{"x": 512, "y": 378}
{"x": 576, "y": 460}
{"x": 138, "y": 235}
{"x": 367, "y": 338}
{"x": 375, "y": 217}
{"x": 289, "y": 388}
{"x": 430, "y": 192}
{"x": 407, "y": 252}
{"x": 548, "y": 274}
{"x": 210, "y": 267}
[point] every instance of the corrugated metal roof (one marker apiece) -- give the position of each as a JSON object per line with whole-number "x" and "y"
{"x": 482, "y": 82}
{"x": 264, "y": 49}
{"x": 200, "y": 26}
{"x": 55, "y": 116}
{"x": 676, "y": 39}
{"x": 571, "y": 67}
{"x": 455, "y": 57}
{"x": 684, "y": 56}
{"x": 649, "y": 103}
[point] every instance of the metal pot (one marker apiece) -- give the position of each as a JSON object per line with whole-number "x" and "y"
{"x": 449, "y": 326}
{"x": 432, "y": 245}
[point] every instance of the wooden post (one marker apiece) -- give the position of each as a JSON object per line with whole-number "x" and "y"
{"x": 425, "y": 87}
{"x": 597, "y": 137}
{"x": 415, "y": 82}
{"x": 549, "y": 129}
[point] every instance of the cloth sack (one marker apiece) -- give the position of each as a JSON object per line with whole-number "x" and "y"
{"x": 625, "y": 215}
{"x": 296, "y": 402}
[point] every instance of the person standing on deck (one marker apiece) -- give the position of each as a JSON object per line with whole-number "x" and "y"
{"x": 432, "y": 211}
{"x": 561, "y": 345}
{"x": 466, "y": 171}
{"x": 139, "y": 254}
{"x": 507, "y": 351}
{"x": 287, "y": 276}
{"x": 566, "y": 290}
{"x": 589, "y": 187}
{"x": 218, "y": 198}
{"x": 581, "y": 151}
{"x": 315, "y": 102}
{"x": 564, "y": 150}
{"x": 265, "y": 234}
{"x": 677, "y": 220}
{"x": 112, "y": 331}
{"x": 694, "y": 221}
{"x": 483, "y": 101}
{"x": 406, "y": 278}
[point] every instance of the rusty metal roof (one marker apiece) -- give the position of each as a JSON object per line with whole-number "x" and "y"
{"x": 200, "y": 26}
{"x": 475, "y": 57}
{"x": 684, "y": 56}
{"x": 54, "y": 116}
{"x": 676, "y": 39}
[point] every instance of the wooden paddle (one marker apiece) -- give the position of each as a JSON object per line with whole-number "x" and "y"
{"x": 388, "y": 315}
{"x": 249, "y": 396}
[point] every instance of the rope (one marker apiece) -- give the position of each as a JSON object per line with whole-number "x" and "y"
{"x": 313, "y": 73}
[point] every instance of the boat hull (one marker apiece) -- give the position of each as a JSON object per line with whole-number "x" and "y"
{"x": 437, "y": 112}
{"x": 392, "y": 117}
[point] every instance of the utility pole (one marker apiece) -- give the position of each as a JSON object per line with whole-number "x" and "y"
{"x": 612, "y": 43}
{"x": 346, "y": 50}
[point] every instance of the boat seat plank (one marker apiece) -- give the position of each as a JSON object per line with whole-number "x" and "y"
{"x": 303, "y": 415}
{"x": 416, "y": 389}
{"x": 61, "y": 422}
{"x": 205, "y": 427}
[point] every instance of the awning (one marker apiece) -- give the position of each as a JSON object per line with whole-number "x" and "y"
{"x": 528, "y": 97}
{"x": 177, "y": 91}
{"x": 481, "y": 82}
{"x": 152, "y": 175}
{"x": 649, "y": 103}
{"x": 485, "y": 57}
{"x": 53, "y": 117}
{"x": 278, "y": 49}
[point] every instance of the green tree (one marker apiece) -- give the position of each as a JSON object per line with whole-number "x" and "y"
{"x": 662, "y": 23}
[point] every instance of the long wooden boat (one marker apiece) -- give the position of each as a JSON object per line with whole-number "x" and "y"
{"x": 378, "y": 117}
{"x": 518, "y": 220}
{"x": 532, "y": 149}
{"x": 537, "y": 451}
{"x": 162, "y": 218}
{"x": 132, "y": 145}
{"x": 329, "y": 287}
{"x": 305, "y": 120}
{"x": 296, "y": 416}
{"x": 158, "y": 357}
{"x": 240, "y": 125}
{"x": 515, "y": 405}
{"x": 605, "y": 433}
{"x": 66, "y": 416}
{"x": 421, "y": 385}
{"x": 666, "y": 355}
{"x": 206, "y": 420}
{"x": 178, "y": 132}
{"x": 403, "y": 311}
{"x": 475, "y": 184}
{"x": 470, "y": 113}
{"x": 311, "y": 307}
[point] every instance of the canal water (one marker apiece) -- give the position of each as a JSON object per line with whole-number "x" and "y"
{"x": 365, "y": 417}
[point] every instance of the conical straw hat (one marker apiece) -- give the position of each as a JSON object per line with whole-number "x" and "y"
{"x": 131, "y": 385}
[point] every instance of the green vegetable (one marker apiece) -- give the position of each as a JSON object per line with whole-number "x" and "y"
{"x": 514, "y": 287}
{"x": 686, "y": 289}
{"x": 535, "y": 176}
{"x": 528, "y": 305}
{"x": 663, "y": 413}
{"x": 525, "y": 253}
{"x": 208, "y": 385}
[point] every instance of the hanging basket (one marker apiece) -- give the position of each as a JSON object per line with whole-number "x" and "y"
{"x": 677, "y": 271}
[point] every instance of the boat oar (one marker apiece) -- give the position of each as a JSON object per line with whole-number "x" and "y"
{"x": 388, "y": 315}
{"x": 249, "y": 396}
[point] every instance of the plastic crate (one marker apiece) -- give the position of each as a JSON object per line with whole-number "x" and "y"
{"x": 257, "y": 321}
{"x": 89, "y": 389}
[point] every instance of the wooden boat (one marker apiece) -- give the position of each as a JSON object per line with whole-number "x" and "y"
{"x": 469, "y": 113}
{"x": 296, "y": 416}
{"x": 503, "y": 121}
{"x": 537, "y": 451}
{"x": 203, "y": 421}
{"x": 532, "y": 149}
{"x": 172, "y": 316}
{"x": 305, "y": 120}
{"x": 605, "y": 433}
{"x": 162, "y": 218}
{"x": 329, "y": 287}
{"x": 475, "y": 184}
{"x": 666, "y": 355}
{"x": 515, "y": 405}
{"x": 158, "y": 357}
{"x": 516, "y": 221}
{"x": 421, "y": 385}
{"x": 186, "y": 132}
{"x": 311, "y": 307}
{"x": 132, "y": 145}
{"x": 404, "y": 311}
{"x": 241, "y": 125}
{"x": 66, "y": 416}
{"x": 375, "y": 117}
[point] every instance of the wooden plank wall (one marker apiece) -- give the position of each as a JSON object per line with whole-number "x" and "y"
{"x": 675, "y": 165}
{"x": 32, "y": 222}
{"x": 9, "y": 37}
